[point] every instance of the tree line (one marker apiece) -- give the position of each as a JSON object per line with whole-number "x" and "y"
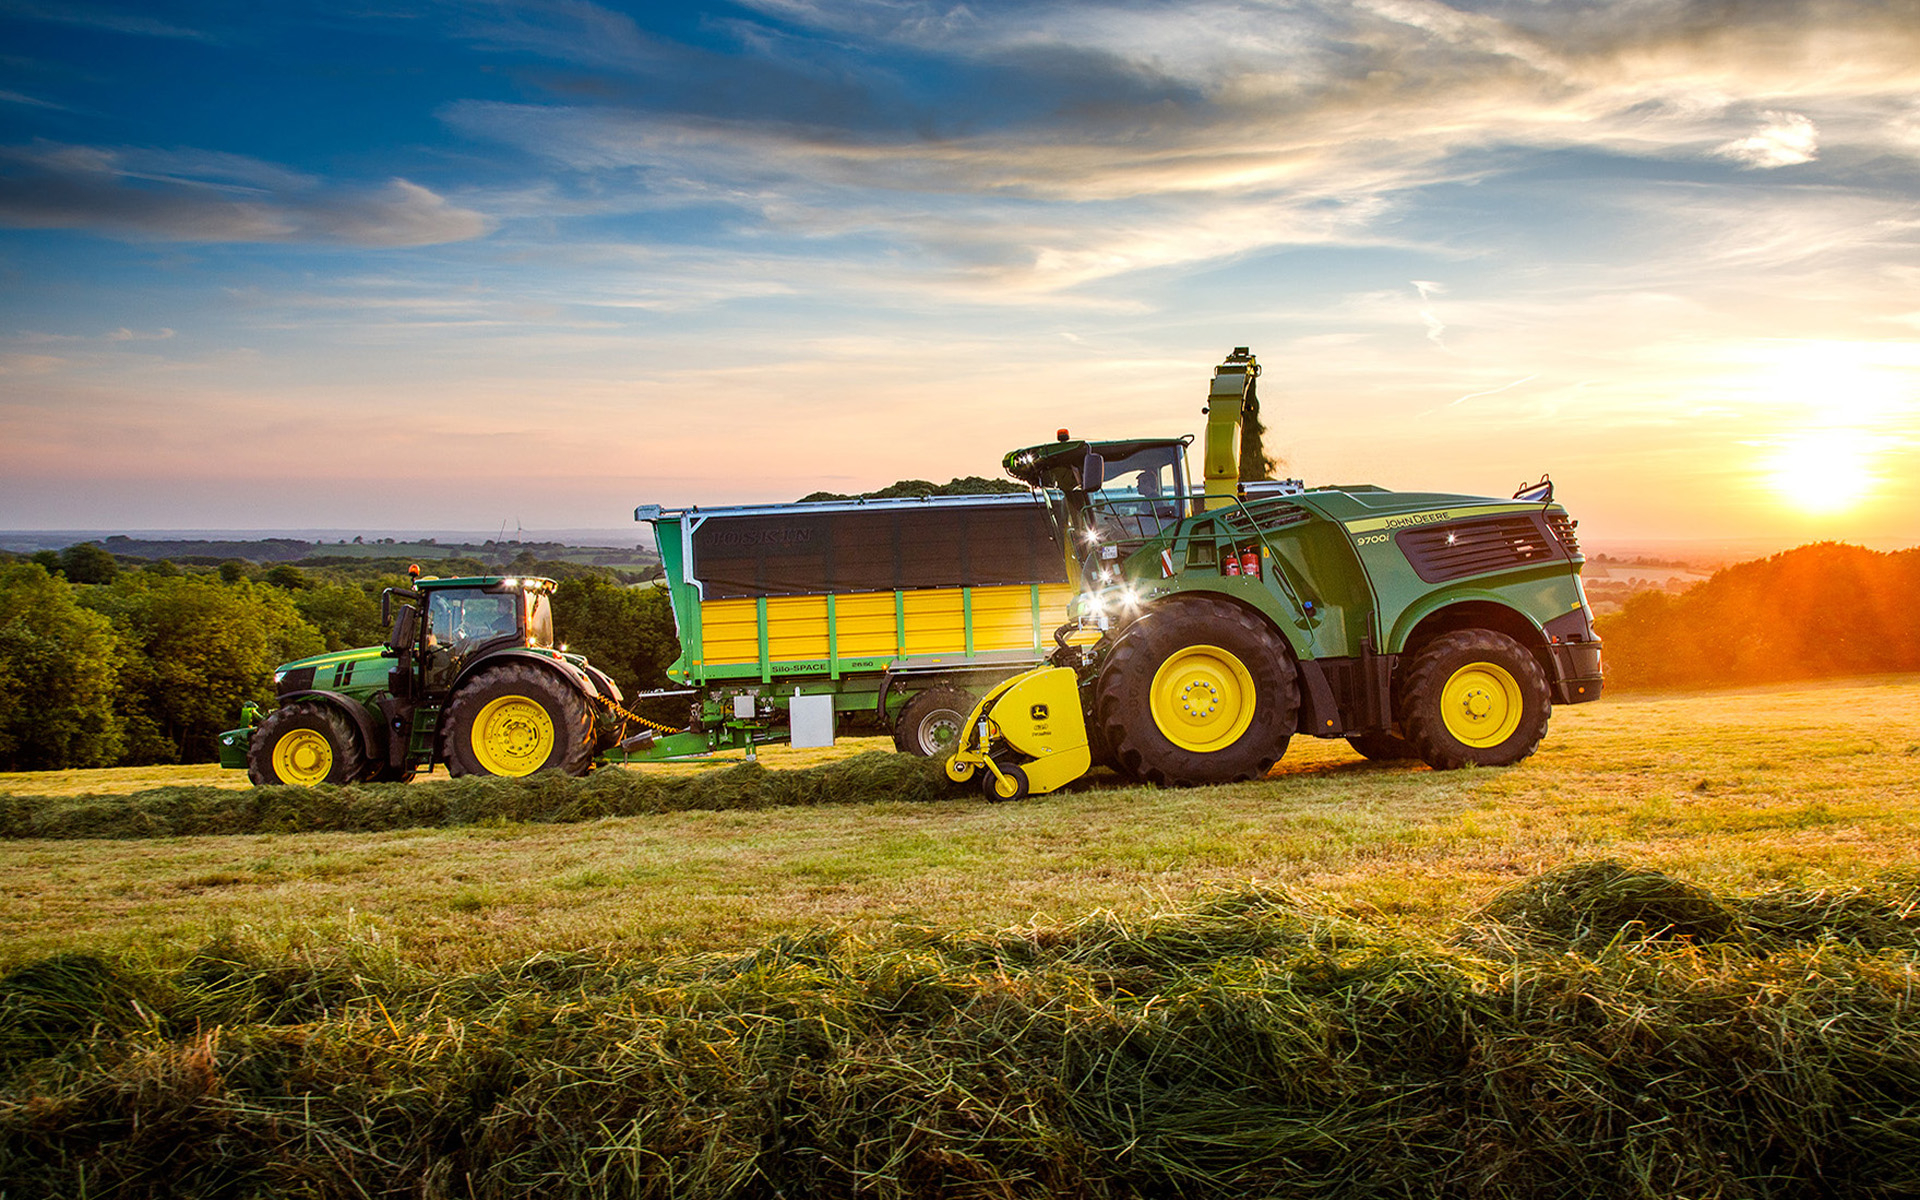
{"x": 111, "y": 664}
{"x": 1816, "y": 612}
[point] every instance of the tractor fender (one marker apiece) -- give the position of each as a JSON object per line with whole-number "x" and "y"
{"x": 371, "y": 737}
{"x": 574, "y": 676}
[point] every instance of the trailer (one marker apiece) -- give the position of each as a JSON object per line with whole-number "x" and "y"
{"x": 800, "y": 620}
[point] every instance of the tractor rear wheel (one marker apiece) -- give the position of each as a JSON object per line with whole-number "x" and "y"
{"x": 515, "y": 719}
{"x": 931, "y": 722}
{"x": 1199, "y": 691}
{"x": 1475, "y": 697}
{"x": 304, "y": 744}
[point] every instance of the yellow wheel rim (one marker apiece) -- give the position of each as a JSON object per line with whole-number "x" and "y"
{"x": 302, "y": 757}
{"x": 1202, "y": 698}
{"x": 959, "y": 771}
{"x": 1481, "y": 705}
{"x": 512, "y": 736}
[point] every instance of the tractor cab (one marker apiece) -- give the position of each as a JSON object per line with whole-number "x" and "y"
{"x": 466, "y": 619}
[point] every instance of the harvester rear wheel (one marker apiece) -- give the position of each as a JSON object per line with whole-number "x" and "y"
{"x": 1199, "y": 691}
{"x": 515, "y": 719}
{"x": 1475, "y": 697}
{"x": 304, "y": 744}
{"x": 932, "y": 722}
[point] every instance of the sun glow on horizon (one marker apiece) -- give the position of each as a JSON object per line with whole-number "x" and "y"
{"x": 1823, "y": 471}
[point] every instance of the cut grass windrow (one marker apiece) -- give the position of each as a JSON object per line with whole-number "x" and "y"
{"x": 1599, "y": 1030}
{"x": 548, "y": 798}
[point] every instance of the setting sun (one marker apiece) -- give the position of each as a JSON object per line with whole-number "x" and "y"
{"x": 1823, "y": 470}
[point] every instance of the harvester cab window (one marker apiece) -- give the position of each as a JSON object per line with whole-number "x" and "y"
{"x": 1140, "y": 495}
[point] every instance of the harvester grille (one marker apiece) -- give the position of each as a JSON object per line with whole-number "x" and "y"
{"x": 1458, "y": 549}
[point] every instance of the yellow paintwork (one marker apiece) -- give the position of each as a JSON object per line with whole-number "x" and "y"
{"x": 1202, "y": 698}
{"x": 302, "y": 757}
{"x": 1036, "y": 715}
{"x": 513, "y": 735}
{"x": 1481, "y": 704}
{"x": 920, "y": 622}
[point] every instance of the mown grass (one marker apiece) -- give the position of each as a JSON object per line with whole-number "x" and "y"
{"x": 1597, "y": 1031}
{"x": 1739, "y": 791}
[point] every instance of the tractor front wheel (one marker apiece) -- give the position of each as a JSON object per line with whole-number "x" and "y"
{"x": 1475, "y": 697}
{"x": 932, "y": 722}
{"x": 304, "y": 744}
{"x": 515, "y": 719}
{"x": 1200, "y": 691}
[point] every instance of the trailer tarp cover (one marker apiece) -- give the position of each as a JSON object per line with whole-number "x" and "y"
{"x": 789, "y": 554}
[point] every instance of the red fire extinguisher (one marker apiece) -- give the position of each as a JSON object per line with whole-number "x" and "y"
{"x": 1250, "y": 563}
{"x": 1233, "y": 561}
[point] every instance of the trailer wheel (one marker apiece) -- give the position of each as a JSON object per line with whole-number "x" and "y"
{"x": 304, "y": 744}
{"x": 932, "y": 721}
{"x": 1381, "y": 746}
{"x": 515, "y": 719}
{"x": 1475, "y": 697}
{"x": 1199, "y": 691}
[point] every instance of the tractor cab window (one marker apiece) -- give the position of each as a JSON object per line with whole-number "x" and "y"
{"x": 1140, "y": 495}
{"x": 467, "y": 617}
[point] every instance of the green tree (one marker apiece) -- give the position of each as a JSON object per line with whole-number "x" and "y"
{"x": 345, "y": 616}
{"x": 196, "y": 649}
{"x": 286, "y": 577}
{"x": 88, "y": 562}
{"x": 628, "y": 632}
{"x": 59, "y": 665}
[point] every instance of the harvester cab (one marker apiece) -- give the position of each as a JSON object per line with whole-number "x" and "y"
{"x": 1234, "y": 614}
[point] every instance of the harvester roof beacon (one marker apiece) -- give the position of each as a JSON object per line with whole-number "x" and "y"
{"x": 1232, "y": 614}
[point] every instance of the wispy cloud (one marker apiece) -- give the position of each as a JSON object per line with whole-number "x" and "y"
{"x": 193, "y": 196}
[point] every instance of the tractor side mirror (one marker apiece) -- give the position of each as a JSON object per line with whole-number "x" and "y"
{"x": 1093, "y": 472}
{"x": 406, "y": 628}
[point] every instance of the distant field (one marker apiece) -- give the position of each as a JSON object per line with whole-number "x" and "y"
{"x": 1737, "y": 791}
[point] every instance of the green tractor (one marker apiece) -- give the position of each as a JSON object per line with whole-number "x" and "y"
{"x": 1216, "y": 622}
{"x": 469, "y": 676}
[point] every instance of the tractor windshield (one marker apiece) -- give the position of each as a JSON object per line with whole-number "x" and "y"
{"x": 467, "y": 616}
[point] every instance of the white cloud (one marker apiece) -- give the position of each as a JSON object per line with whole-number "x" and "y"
{"x": 1787, "y": 139}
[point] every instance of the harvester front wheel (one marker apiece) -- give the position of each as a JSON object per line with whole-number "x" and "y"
{"x": 1199, "y": 692}
{"x": 1475, "y": 697}
{"x": 304, "y": 744}
{"x": 515, "y": 719}
{"x": 931, "y": 722}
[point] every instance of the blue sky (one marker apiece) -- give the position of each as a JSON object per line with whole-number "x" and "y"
{"x": 443, "y": 265}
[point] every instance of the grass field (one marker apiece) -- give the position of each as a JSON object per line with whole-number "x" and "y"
{"x": 1675, "y": 954}
{"x": 1736, "y": 791}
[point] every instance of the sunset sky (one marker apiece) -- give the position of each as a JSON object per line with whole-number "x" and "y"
{"x": 416, "y": 265}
